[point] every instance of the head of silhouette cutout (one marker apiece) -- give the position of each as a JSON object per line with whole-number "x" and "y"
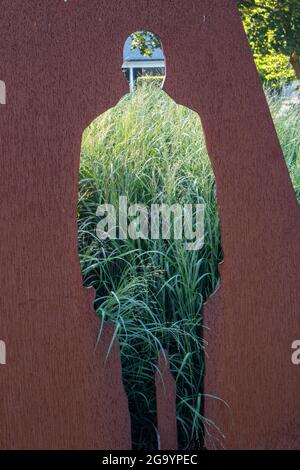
{"x": 143, "y": 60}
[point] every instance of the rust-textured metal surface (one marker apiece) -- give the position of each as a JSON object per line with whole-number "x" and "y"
{"x": 60, "y": 61}
{"x": 56, "y": 389}
{"x": 165, "y": 404}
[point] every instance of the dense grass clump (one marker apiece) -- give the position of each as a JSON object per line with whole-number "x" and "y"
{"x": 287, "y": 122}
{"x": 152, "y": 151}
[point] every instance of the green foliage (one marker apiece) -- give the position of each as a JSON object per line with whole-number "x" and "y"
{"x": 274, "y": 68}
{"x": 287, "y": 119}
{"x": 146, "y": 42}
{"x": 153, "y": 151}
{"x": 273, "y": 31}
{"x": 145, "y": 80}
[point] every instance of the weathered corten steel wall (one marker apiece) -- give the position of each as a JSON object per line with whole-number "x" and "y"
{"x": 60, "y": 61}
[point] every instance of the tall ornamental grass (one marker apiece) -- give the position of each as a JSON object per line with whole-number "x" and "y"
{"x": 152, "y": 151}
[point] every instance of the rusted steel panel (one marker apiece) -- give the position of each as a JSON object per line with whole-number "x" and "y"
{"x": 56, "y": 389}
{"x": 60, "y": 62}
{"x": 166, "y": 404}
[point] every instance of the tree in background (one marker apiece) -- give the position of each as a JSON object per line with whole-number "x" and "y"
{"x": 146, "y": 42}
{"x": 273, "y": 30}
